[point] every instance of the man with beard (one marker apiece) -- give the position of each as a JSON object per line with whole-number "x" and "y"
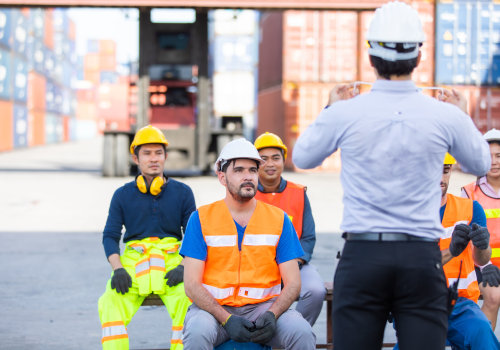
{"x": 237, "y": 251}
{"x": 154, "y": 209}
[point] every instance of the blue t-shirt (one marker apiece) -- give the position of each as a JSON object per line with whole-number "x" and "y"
{"x": 478, "y": 215}
{"x": 194, "y": 245}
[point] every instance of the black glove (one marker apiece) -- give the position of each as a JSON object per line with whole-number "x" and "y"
{"x": 121, "y": 280}
{"x": 491, "y": 275}
{"x": 459, "y": 239}
{"x": 238, "y": 328}
{"x": 479, "y": 236}
{"x": 265, "y": 327}
{"x": 175, "y": 276}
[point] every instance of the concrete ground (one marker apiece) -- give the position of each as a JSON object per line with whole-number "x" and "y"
{"x": 53, "y": 208}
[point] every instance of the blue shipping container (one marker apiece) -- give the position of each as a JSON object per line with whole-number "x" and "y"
{"x": 5, "y": 26}
{"x": 50, "y": 96}
{"x": 38, "y": 56}
{"x": 20, "y": 80}
{"x": 5, "y": 74}
{"x": 468, "y": 43}
{"x": 20, "y": 34}
{"x": 20, "y": 125}
{"x": 53, "y": 128}
{"x": 36, "y": 23}
{"x": 234, "y": 53}
{"x": 49, "y": 63}
{"x": 61, "y": 20}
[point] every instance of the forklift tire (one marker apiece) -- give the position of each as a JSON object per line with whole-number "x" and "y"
{"x": 108, "y": 156}
{"x": 122, "y": 155}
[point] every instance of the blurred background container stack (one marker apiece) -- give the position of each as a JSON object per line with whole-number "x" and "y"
{"x": 303, "y": 54}
{"x": 233, "y": 55}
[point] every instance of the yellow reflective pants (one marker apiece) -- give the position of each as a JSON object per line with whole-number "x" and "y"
{"x": 142, "y": 261}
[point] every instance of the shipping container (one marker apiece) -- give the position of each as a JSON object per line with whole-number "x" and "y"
{"x": 91, "y": 62}
{"x": 20, "y": 32}
{"x": 107, "y": 47}
{"x": 468, "y": 42}
{"x": 37, "y": 129}
{"x": 20, "y": 81}
{"x": 66, "y": 128}
{"x": 93, "y": 46}
{"x": 108, "y": 77}
{"x": 49, "y": 63}
{"x": 271, "y": 50}
{"x": 86, "y": 110}
{"x": 6, "y": 27}
{"x": 71, "y": 30}
{"x": 82, "y": 129}
{"x": 20, "y": 125}
{"x": 107, "y": 62}
{"x": 231, "y": 101}
{"x": 61, "y": 21}
{"x": 6, "y": 125}
{"x": 234, "y": 53}
{"x": 112, "y": 105}
{"x": 53, "y": 128}
{"x": 234, "y": 22}
{"x": 36, "y": 23}
{"x": 483, "y": 104}
{"x": 5, "y": 74}
{"x": 36, "y": 91}
{"x": 38, "y": 56}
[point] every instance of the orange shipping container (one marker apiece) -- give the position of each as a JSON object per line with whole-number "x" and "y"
{"x": 36, "y": 128}
{"x": 91, "y": 62}
{"x": 71, "y": 30}
{"x": 48, "y": 36}
{"x": 6, "y": 125}
{"x": 112, "y": 106}
{"x": 86, "y": 110}
{"x": 107, "y": 47}
{"x": 66, "y": 121}
{"x": 107, "y": 62}
{"x": 36, "y": 91}
{"x": 92, "y": 76}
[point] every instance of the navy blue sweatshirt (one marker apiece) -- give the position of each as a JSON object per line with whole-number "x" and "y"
{"x": 144, "y": 215}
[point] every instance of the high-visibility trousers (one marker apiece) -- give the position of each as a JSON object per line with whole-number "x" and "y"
{"x": 116, "y": 310}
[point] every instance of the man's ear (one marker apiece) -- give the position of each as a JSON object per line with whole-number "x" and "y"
{"x": 135, "y": 159}
{"x": 222, "y": 177}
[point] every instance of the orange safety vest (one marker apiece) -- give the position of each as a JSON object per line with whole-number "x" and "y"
{"x": 491, "y": 208}
{"x": 249, "y": 276}
{"x": 291, "y": 201}
{"x": 459, "y": 211}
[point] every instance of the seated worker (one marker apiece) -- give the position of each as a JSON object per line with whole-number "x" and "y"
{"x": 236, "y": 253}
{"x": 486, "y": 190}
{"x": 154, "y": 209}
{"x": 292, "y": 198}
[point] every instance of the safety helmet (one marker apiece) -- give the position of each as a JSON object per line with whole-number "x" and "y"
{"x": 492, "y": 135}
{"x": 268, "y": 139}
{"x": 449, "y": 160}
{"x": 239, "y": 148}
{"x": 148, "y": 134}
{"x": 395, "y": 23}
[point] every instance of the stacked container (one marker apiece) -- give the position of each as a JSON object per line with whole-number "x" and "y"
{"x": 233, "y": 47}
{"x": 303, "y": 54}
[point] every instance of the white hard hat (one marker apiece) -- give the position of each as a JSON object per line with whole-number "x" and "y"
{"x": 395, "y": 23}
{"x": 239, "y": 148}
{"x": 492, "y": 135}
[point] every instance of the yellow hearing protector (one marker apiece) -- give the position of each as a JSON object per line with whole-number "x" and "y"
{"x": 154, "y": 188}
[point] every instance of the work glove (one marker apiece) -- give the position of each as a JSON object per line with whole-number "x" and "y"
{"x": 459, "y": 239}
{"x": 479, "y": 236}
{"x": 121, "y": 280}
{"x": 491, "y": 276}
{"x": 175, "y": 276}
{"x": 238, "y": 328}
{"x": 265, "y": 327}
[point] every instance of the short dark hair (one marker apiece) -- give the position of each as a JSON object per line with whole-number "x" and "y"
{"x": 494, "y": 141}
{"x": 226, "y": 165}
{"x": 138, "y": 148}
{"x": 387, "y": 68}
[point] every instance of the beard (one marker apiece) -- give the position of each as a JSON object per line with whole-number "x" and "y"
{"x": 245, "y": 192}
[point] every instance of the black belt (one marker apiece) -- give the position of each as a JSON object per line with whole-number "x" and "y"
{"x": 385, "y": 237}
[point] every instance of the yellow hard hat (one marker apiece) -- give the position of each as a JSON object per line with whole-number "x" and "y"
{"x": 268, "y": 139}
{"x": 449, "y": 160}
{"x": 148, "y": 134}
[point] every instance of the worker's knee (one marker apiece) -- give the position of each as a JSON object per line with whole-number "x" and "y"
{"x": 292, "y": 327}
{"x": 200, "y": 327}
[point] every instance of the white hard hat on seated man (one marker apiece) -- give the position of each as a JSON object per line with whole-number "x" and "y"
{"x": 237, "y": 149}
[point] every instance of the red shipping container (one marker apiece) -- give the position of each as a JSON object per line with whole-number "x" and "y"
{"x": 107, "y": 47}
{"x": 36, "y": 127}
{"x": 107, "y": 62}
{"x": 36, "y": 91}
{"x": 486, "y": 108}
{"x": 93, "y": 76}
{"x": 86, "y": 95}
{"x": 271, "y": 50}
{"x": 48, "y": 37}
{"x": 6, "y": 125}
{"x": 112, "y": 106}
{"x": 71, "y": 30}
{"x": 66, "y": 131}
{"x": 271, "y": 111}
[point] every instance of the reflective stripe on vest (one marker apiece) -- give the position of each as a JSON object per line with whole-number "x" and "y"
{"x": 459, "y": 211}
{"x": 491, "y": 208}
{"x": 231, "y": 276}
{"x": 113, "y": 330}
{"x": 291, "y": 201}
{"x": 176, "y": 335}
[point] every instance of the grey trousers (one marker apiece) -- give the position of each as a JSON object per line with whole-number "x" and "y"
{"x": 312, "y": 293}
{"x": 203, "y": 332}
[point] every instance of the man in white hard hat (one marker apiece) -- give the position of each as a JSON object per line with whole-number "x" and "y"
{"x": 486, "y": 190}
{"x": 237, "y": 250}
{"x": 393, "y": 142}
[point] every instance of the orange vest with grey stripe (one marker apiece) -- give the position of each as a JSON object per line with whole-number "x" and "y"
{"x": 491, "y": 208}
{"x": 291, "y": 200}
{"x": 249, "y": 276}
{"x": 459, "y": 211}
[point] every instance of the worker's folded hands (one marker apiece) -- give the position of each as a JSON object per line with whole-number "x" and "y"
{"x": 121, "y": 280}
{"x": 459, "y": 239}
{"x": 238, "y": 328}
{"x": 175, "y": 276}
{"x": 491, "y": 275}
{"x": 479, "y": 236}
{"x": 265, "y": 327}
